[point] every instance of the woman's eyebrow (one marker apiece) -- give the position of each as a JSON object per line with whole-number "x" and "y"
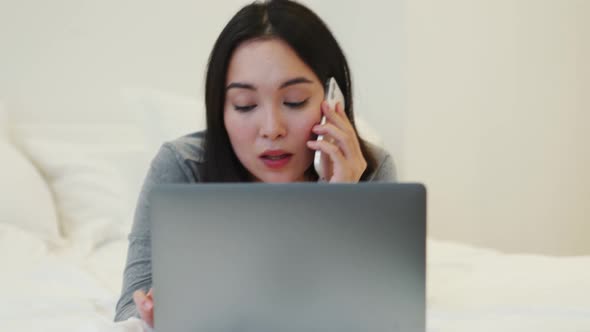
{"x": 237, "y": 85}
{"x": 297, "y": 80}
{"x": 248, "y": 86}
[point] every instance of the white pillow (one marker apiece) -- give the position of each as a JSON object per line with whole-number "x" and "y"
{"x": 164, "y": 116}
{"x": 120, "y": 145}
{"x": 93, "y": 203}
{"x": 26, "y": 199}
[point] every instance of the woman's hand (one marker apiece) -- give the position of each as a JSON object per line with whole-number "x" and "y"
{"x": 145, "y": 305}
{"x": 342, "y": 145}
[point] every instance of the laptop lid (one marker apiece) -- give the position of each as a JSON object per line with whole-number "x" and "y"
{"x": 289, "y": 257}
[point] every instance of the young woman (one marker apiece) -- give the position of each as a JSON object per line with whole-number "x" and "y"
{"x": 264, "y": 99}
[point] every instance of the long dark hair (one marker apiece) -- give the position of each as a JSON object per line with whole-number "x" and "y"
{"x": 313, "y": 42}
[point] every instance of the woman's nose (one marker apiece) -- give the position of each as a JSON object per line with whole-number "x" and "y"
{"x": 273, "y": 124}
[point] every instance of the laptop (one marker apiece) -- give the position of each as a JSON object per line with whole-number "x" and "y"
{"x": 295, "y": 257}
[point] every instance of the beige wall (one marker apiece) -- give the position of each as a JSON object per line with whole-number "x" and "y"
{"x": 498, "y": 120}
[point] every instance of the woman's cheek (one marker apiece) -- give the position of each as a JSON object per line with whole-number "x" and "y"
{"x": 304, "y": 127}
{"x": 314, "y": 119}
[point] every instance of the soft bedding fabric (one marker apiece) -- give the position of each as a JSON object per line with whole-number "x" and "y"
{"x": 25, "y": 199}
{"x": 469, "y": 289}
{"x": 474, "y": 289}
{"x": 89, "y": 194}
{"x": 94, "y": 172}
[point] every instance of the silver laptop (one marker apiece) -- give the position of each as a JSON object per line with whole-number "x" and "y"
{"x": 289, "y": 257}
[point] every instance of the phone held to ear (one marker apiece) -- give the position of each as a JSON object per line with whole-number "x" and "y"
{"x": 321, "y": 161}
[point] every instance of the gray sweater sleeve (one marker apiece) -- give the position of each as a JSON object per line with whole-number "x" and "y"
{"x": 385, "y": 171}
{"x": 165, "y": 168}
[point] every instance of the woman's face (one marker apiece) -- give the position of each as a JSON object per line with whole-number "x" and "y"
{"x": 272, "y": 102}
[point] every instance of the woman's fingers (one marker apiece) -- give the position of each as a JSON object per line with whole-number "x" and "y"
{"x": 145, "y": 306}
{"x": 341, "y": 146}
{"x": 338, "y": 159}
{"x": 346, "y": 141}
{"x": 337, "y": 116}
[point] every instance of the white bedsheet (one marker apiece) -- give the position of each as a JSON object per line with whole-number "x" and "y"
{"x": 469, "y": 289}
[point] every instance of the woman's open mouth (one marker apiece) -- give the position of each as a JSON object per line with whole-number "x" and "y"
{"x": 276, "y": 159}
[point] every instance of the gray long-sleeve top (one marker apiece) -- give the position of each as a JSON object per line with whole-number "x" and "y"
{"x": 179, "y": 161}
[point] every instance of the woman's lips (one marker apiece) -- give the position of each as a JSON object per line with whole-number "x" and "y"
{"x": 276, "y": 160}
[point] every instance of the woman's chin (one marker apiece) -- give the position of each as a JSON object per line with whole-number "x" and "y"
{"x": 282, "y": 177}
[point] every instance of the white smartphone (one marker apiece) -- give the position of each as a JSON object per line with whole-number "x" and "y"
{"x": 321, "y": 162}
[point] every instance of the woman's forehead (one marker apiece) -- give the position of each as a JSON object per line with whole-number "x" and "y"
{"x": 266, "y": 62}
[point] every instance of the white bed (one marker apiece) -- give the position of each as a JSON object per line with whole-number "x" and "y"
{"x": 67, "y": 194}
{"x": 469, "y": 289}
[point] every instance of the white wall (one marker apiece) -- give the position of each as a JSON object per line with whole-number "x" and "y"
{"x": 68, "y": 59}
{"x": 485, "y": 101}
{"x": 498, "y": 120}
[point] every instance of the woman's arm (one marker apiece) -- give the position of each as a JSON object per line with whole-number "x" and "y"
{"x": 165, "y": 168}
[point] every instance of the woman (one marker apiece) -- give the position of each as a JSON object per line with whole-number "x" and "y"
{"x": 264, "y": 100}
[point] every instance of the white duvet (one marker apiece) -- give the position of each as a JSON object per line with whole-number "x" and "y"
{"x": 469, "y": 289}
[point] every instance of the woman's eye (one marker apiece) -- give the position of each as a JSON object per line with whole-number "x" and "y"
{"x": 296, "y": 104}
{"x": 244, "y": 108}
